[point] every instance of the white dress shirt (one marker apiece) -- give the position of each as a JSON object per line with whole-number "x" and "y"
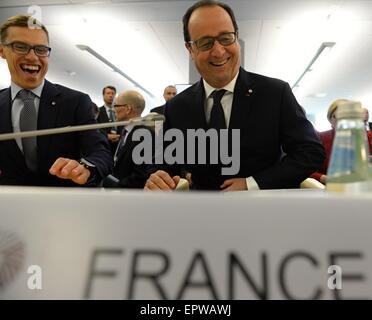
{"x": 226, "y": 103}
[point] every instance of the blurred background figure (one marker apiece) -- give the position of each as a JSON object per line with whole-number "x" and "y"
{"x": 107, "y": 114}
{"x": 127, "y": 174}
{"x": 169, "y": 93}
{"x": 327, "y": 137}
{"x": 366, "y": 118}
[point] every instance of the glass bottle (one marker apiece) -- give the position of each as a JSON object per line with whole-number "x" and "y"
{"x": 348, "y": 169}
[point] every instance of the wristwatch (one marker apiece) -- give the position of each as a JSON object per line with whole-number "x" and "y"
{"x": 90, "y": 166}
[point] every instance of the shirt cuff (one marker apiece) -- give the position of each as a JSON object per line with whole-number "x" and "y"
{"x": 252, "y": 184}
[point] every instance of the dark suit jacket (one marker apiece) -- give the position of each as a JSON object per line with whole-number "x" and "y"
{"x": 103, "y": 118}
{"x": 159, "y": 109}
{"x": 59, "y": 107}
{"x": 270, "y": 121}
{"x": 129, "y": 174}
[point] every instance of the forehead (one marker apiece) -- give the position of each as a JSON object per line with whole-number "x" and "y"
{"x": 27, "y": 35}
{"x": 108, "y": 90}
{"x": 170, "y": 89}
{"x": 209, "y": 21}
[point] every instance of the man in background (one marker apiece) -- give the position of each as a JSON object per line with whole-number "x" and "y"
{"x": 30, "y": 103}
{"x": 107, "y": 114}
{"x": 169, "y": 93}
{"x": 127, "y": 174}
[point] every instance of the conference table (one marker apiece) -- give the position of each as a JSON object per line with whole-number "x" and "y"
{"x": 85, "y": 243}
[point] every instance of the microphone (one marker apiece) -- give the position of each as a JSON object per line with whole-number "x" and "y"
{"x": 147, "y": 120}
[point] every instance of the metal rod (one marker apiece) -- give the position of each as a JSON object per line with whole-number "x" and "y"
{"x": 145, "y": 121}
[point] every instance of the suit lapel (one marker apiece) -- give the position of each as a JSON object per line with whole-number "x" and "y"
{"x": 9, "y": 147}
{"x": 48, "y": 111}
{"x": 5, "y": 112}
{"x": 243, "y": 94}
{"x": 197, "y": 112}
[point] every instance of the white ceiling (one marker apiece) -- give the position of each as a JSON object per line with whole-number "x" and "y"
{"x": 144, "y": 39}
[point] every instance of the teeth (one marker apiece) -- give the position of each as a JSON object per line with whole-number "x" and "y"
{"x": 219, "y": 63}
{"x": 30, "y": 67}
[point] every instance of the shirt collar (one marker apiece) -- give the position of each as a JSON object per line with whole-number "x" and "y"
{"x": 229, "y": 87}
{"x": 14, "y": 88}
{"x": 129, "y": 127}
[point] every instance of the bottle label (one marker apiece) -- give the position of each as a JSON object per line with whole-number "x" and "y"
{"x": 343, "y": 154}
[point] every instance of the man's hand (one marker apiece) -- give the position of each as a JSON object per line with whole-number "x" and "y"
{"x": 113, "y": 137}
{"x": 70, "y": 169}
{"x": 235, "y": 184}
{"x": 323, "y": 178}
{"x": 160, "y": 180}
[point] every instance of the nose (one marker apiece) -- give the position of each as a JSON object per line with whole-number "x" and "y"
{"x": 217, "y": 49}
{"x": 31, "y": 54}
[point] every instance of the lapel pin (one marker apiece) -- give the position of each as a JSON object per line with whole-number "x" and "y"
{"x": 250, "y": 91}
{"x": 53, "y": 103}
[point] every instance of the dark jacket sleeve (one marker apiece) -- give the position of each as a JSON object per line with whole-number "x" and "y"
{"x": 303, "y": 152}
{"x": 93, "y": 144}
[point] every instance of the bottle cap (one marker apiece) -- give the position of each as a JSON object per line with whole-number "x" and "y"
{"x": 349, "y": 109}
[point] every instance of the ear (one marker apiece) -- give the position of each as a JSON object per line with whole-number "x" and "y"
{"x": 2, "y": 51}
{"x": 189, "y": 49}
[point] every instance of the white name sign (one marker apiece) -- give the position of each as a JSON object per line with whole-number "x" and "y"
{"x": 97, "y": 244}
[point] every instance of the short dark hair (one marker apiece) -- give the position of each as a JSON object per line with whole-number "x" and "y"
{"x": 205, "y": 3}
{"x": 108, "y": 87}
{"x": 20, "y": 21}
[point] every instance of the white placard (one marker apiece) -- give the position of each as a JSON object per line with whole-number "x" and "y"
{"x": 97, "y": 244}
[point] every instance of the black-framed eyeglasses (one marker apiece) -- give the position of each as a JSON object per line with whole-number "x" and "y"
{"x": 120, "y": 105}
{"x": 24, "y": 48}
{"x": 207, "y": 43}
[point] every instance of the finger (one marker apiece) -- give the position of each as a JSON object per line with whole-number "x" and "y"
{"x": 79, "y": 170}
{"x": 58, "y": 165}
{"x": 166, "y": 178}
{"x": 156, "y": 181}
{"x": 226, "y": 183}
{"x": 66, "y": 171}
{"x": 176, "y": 179}
{"x": 82, "y": 178}
{"x": 228, "y": 188}
{"x": 151, "y": 186}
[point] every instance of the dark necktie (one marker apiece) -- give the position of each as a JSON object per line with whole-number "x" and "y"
{"x": 27, "y": 122}
{"x": 112, "y": 118}
{"x": 120, "y": 146}
{"x": 112, "y": 115}
{"x": 217, "y": 119}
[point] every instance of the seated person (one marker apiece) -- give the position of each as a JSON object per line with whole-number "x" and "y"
{"x": 326, "y": 137}
{"x": 127, "y": 174}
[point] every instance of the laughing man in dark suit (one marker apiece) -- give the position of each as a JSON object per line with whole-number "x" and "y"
{"x": 31, "y": 103}
{"x": 278, "y": 145}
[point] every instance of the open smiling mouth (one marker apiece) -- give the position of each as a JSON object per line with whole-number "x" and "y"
{"x": 31, "y": 69}
{"x": 219, "y": 64}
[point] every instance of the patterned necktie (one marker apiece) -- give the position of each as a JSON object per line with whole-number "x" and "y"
{"x": 112, "y": 115}
{"x": 217, "y": 119}
{"x": 112, "y": 118}
{"x": 27, "y": 122}
{"x": 120, "y": 146}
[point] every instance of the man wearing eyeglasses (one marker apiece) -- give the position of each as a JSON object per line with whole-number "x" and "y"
{"x": 127, "y": 174}
{"x": 33, "y": 103}
{"x": 227, "y": 97}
